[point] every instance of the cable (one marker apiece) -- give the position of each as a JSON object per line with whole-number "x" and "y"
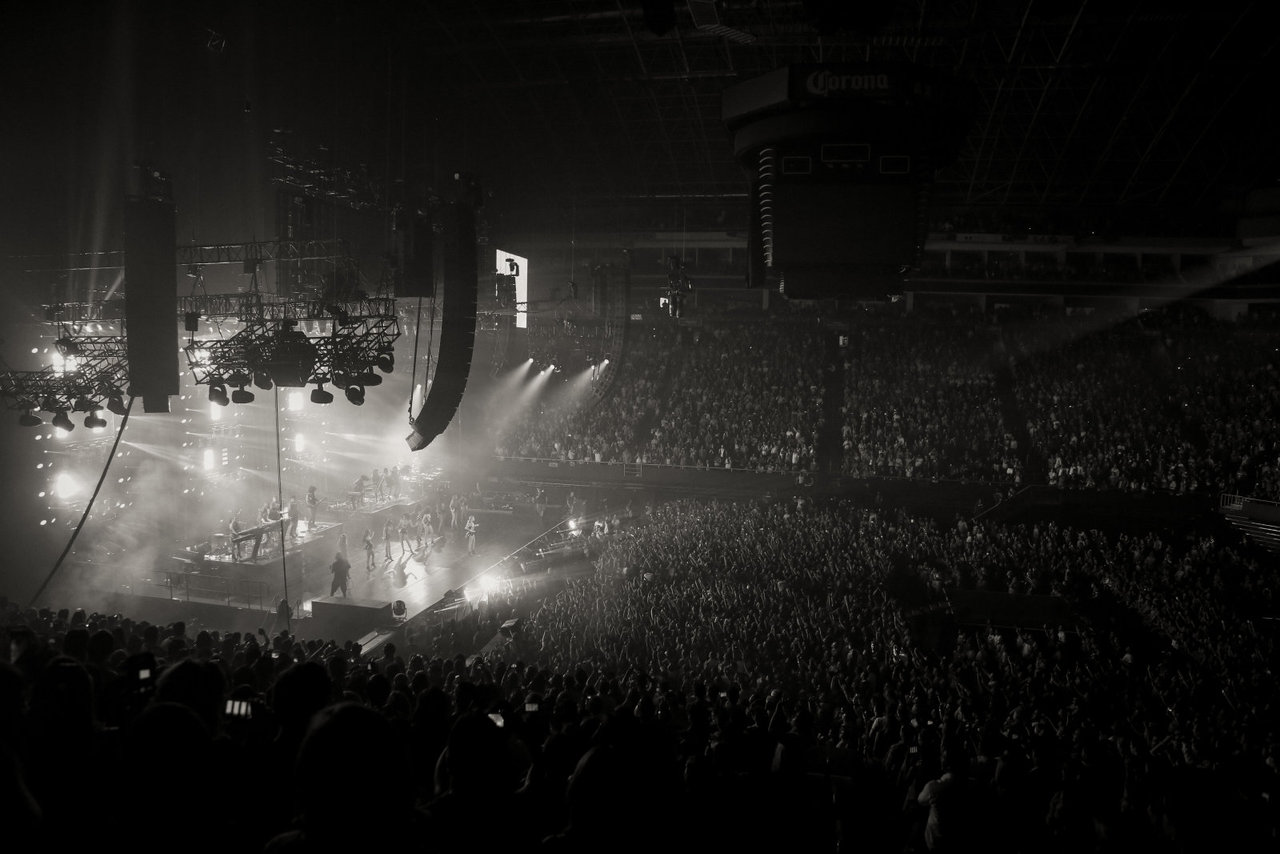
{"x": 124, "y": 419}
{"x": 284, "y": 560}
{"x": 413, "y": 373}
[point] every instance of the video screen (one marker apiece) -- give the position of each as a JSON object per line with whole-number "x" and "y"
{"x": 506, "y": 264}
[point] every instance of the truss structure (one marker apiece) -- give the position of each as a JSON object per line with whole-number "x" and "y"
{"x": 94, "y": 368}
{"x": 348, "y": 339}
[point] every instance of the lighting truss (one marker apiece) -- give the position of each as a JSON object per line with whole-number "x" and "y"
{"x": 99, "y": 368}
{"x": 348, "y": 338}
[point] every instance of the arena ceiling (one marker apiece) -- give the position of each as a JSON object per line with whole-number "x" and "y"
{"x": 1074, "y": 102}
{"x": 565, "y": 106}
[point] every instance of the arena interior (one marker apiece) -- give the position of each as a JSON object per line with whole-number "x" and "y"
{"x": 579, "y": 425}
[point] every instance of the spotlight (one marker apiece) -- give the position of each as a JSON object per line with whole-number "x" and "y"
{"x": 321, "y": 395}
{"x": 341, "y": 379}
{"x": 218, "y": 394}
{"x": 50, "y": 404}
{"x": 84, "y": 404}
{"x": 238, "y": 378}
{"x": 29, "y": 419}
{"x": 115, "y": 404}
{"x": 262, "y": 380}
{"x": 355, "y": 394}
{"x": 62, "y": 421}
{"x": 387, "y": 362}
{"x": 339, "y": 313}
{"x": 242, "y": 395}
{"x": 94, "y": 420}
{"x": 67, "y": 346}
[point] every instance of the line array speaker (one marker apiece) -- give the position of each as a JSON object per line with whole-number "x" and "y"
{"x": 457, "y": 327}
{"x": 151, "y": 300}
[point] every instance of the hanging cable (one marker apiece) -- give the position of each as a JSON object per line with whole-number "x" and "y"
{"x": 124, "y": 419}
{"x": 413, "y": 374}
{"x": 284, "y": 561}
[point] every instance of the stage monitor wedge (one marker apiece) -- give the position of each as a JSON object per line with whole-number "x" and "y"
{"x": 457, "y": 326}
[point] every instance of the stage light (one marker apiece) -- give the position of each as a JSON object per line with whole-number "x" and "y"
{"x": 30, "y": 419}
{"x": 50, "y": 404}
{"x": 341, "y": 380}
{"x": 218, "y": 394}
{"x": 355, "y": 394}
{"x": 67, "y": 347}
{"x": 340, "y": 314}
{"x": 84, "y": 404}
{"x": 115, "y": 404}
{"x": 65, "y": 485}
{"x": 263, "y": 381}
{"x": 62, "y": 421}
{"x": 242, "y": 395}
{"x": 238, "y": 378}
{"x": 387, "y": 362}
{"x": 95, "y": 421}
{"x": 321, "y": 395}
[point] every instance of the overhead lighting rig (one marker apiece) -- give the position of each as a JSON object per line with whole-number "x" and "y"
{"x": 347, "y": 341}
{"x": 91, "y": 373}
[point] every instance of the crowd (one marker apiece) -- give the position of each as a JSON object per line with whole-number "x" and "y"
{"x": 743, "y": 396}
{"x": 604, "y": 428}
{"x": 1170, "y": 401}
{"x": 754, "y": 675}
{"x": 720, "y": 395}
{"x": 920, "y": 401}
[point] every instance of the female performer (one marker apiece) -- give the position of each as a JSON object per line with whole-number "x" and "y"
{"x": 471, "y": 529}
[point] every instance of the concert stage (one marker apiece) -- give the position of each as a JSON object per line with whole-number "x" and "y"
{"x": 249, "y": 568}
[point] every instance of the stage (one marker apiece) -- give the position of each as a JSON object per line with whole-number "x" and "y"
{"x": 249, "y": 588}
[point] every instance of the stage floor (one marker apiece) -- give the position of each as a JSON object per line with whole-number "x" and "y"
{"x": 421, "y": 579}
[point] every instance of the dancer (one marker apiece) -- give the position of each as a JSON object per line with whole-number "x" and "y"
{"x": 368, "y": 552}
{"x": 471, "y": 529}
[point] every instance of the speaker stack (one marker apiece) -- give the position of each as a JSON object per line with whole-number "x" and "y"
{"x": 458, "y": 326}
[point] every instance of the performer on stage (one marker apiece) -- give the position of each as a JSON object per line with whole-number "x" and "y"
{"x": 540, "y": 504}
{"x": 342, "y": 543}
{"x": 236, "y": 526}
{"x": 294, "y": 510}
{"x": 387, "y": 530}
{"x": 471, "y": 529}
{"x": 368, "y": 551}
{"x": 312, "y": 503}
{"x": 404, "y": 534}
{"x": 357, "y": 491}
{"x": 341, "y": 570}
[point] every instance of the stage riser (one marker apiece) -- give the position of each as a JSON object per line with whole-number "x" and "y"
{"x": 339, "y": 618}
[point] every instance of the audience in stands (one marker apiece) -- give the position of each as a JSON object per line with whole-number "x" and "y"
{"x": 920, "y": 401}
